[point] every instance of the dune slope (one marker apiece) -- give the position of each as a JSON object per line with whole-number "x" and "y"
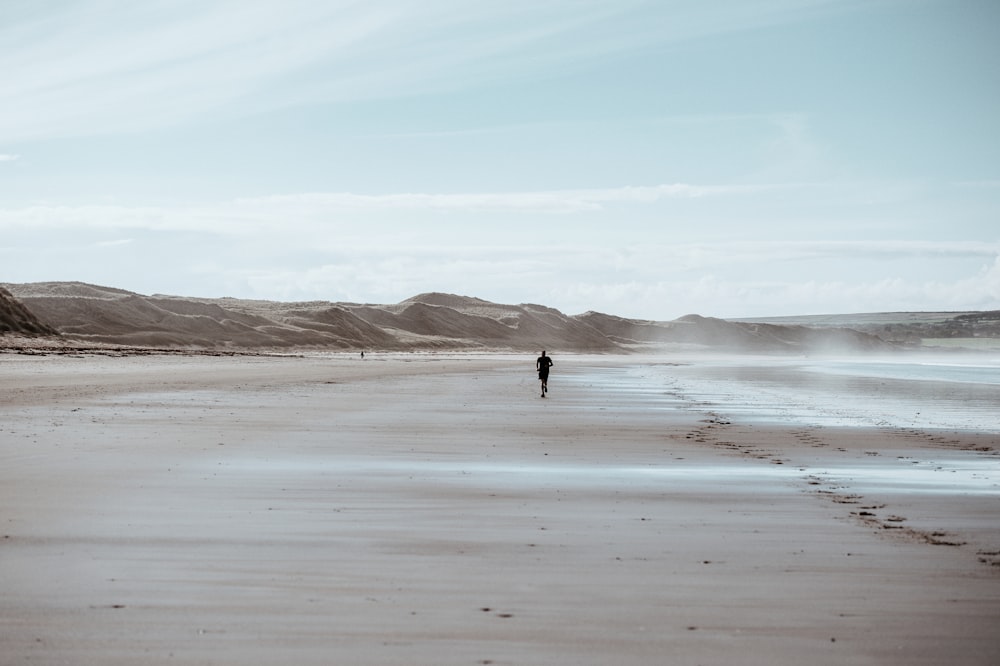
{"x": 430, "y": 321}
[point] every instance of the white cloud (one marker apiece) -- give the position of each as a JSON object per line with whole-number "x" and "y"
{"x": 114, "y": 243}
{"x": 500, "y": 246}
{"x": 755, "y": 259}
{"x": 8, "y": 157}
{"x": 573, "y": 278}
{"x": 72, "y": 69}
{"x": 98, "y": 69}
{"x": 576, "y": 278}
{"x": 730, "y": 296}
{"x": 95, "y": 217}
{"x": 303, "y": 211}
{"x": 556, "y": 201}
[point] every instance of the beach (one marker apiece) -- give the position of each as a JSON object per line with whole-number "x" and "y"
{"x": 422, "y": 508}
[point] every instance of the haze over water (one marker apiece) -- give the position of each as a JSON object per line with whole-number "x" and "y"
{"x": 952, "y": 393}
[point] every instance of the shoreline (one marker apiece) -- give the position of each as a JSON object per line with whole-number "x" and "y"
{"x": 16, "y": 343}
{"x": 170, "y": 509}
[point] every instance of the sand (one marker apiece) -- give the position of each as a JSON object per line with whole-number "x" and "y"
{"x": 432, "y": 509}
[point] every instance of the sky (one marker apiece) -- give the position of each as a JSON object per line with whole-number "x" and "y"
{"x": 643, "y": 158}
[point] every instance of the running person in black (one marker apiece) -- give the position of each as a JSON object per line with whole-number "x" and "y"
{"x": 542, "y": 364}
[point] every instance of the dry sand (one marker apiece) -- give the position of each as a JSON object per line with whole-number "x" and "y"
{"x": 431, "y": 509}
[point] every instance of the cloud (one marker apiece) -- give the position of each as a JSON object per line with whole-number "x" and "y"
{"x": 96, "y": 217}
{"x": 304, "y": 211}
{"x": 95, "y": 68}
{"x": 757, "y": 262}
{"x": 605, "y": 249}
{"x": 654, "y": 281}
{"x": 114, "y": 243}
{"x": 576, "y": 277}
{"x": 8, "y": 157}
{"x": 730, "y": 296}
{"x": 126, "y": 67}
{"x": 557, "y": 201}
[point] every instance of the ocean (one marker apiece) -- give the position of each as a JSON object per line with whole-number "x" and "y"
{"x": 911, "y": 391}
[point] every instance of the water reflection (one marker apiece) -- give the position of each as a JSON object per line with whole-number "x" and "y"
{"x": 813, "y": 392}
{"x": 959, "y": 476}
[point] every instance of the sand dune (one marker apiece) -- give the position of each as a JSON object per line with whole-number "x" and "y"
{"x": 16, "y": 318}
{"x": 430, "y": 321}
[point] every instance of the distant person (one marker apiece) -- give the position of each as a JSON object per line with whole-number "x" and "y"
{"x": 362, "y": 356}
{"x": 542, "y": 364}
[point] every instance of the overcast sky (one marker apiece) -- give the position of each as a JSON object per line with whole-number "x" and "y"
{"x": 642, "y": 158}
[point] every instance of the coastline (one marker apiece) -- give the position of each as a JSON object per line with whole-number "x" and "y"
{"x": 431, "y": 509}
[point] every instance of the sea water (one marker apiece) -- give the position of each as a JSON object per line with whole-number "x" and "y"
{"x": 903, "y": 393}
{"x": 916, "y": 392}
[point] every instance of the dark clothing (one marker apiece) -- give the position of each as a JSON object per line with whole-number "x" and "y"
{"x": 543, "y": 364}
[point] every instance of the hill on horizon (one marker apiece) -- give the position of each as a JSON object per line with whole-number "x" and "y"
{"x": 429, "y": 321}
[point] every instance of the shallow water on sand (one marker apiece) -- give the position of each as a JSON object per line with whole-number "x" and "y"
{"x": 904, "y": 393}
{"x": 830, "y": 393}
{"x": 954, "y": 475}
{"x": 965, "y": 475}
{"x": 970, "y": 371}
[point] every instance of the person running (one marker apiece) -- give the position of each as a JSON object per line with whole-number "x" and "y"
{"x": 542, "y": 364}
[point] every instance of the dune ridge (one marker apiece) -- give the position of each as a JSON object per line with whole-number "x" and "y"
{"x": 431, "y": 321}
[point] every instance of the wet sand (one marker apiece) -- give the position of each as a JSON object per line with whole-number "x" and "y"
{"x": 432, "y": 509}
